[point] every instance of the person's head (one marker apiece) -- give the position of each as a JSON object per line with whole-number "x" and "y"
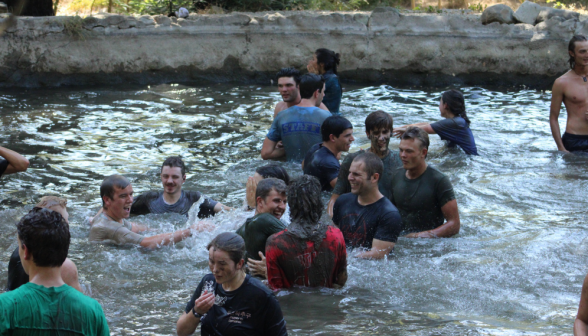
{"x": 56, "y": 204}
{"x": 173, "y": 175}
{"x": 225, "y": 256}
{"x": 288, "y": 81}
{"x": 271, "y": 170}
{"x": 117, "y": 196}
{"x": 312, "y": 87}
{"x": 452, "y": 104}
{"x": 364, "y": 173}
{"x": 325, "y": 60}
{"x": 578, "y": 50}
{"x": 304, "y": 199}
{"x": 414, "y": 145}
{"x": 338, "y": 131}
{"x": 43, "y": 238}
{"x": 378, "y": 128}
{"x": 270, "y": 197}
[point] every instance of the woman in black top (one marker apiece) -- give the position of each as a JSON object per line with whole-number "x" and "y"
{"x": 229, "y": 302}
{"x": 324, "y": 62}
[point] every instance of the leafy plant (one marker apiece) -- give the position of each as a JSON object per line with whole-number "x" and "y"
{"x": 477, "y": 7}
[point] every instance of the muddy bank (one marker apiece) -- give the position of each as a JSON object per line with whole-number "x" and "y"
{"x": 381, "y": 46}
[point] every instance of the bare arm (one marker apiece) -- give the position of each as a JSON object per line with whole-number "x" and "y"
{"x": 324, "y": 107}
{"x": 16, "y": 162}
{"x": 581, "y": 322}
{"x": 187, "y": 323}
{"x": 165, "y": 238}
{"x": 379, "y": 250}
{"x": 270, "y": 151}
{"x": 136, "y": 228}
{"x": 556, "y": 100}
{"x": 332, "y": 201}
{"x": 69, "y": 274}
{"x": 332, "y": 183}
{"x": 302, "y": 164}
{"x": 219, "y": 207}
{"x": 425, "y": 126}
{"x": 450, "y": 228}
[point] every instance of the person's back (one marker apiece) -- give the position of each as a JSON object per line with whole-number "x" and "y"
{"x": 457, "y": 133}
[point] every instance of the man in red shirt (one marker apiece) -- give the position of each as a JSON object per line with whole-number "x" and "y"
{"x": 307, "y": 253}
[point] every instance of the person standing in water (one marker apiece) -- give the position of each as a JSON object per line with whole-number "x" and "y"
{"x": 289, "y": 88}
{"x": 324, "y": 62}
{"x": 455, "y": 128}
{"x": 572, "y": 89}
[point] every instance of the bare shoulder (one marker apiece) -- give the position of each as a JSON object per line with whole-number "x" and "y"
{"x": 281, "y": 106}
{"x": 563, "y": 80}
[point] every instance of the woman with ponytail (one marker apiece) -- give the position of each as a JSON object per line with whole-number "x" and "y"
{"x": 325, "y": 62}
{"x": 455, "y": 128}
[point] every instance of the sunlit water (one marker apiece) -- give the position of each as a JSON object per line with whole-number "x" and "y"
{"x": 516, "y": 268}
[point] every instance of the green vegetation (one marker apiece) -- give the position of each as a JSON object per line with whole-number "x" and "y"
{"x": 477, "y": 7}
{"x": 73, "y": 26}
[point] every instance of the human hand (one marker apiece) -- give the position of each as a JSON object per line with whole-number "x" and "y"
{"x": 203, "y": 226}
{"x": 251, "y": 188}
{"x": 279, "y": 144}
{"x": 203, "y": 304}
{"x": 398, "y": 131}
{"x": 258, "y": 267}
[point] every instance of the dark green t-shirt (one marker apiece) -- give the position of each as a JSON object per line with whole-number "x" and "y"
{"x": 420, "y": 200}
{"x": 391, "y": 163}
{"x": 256, "y": 231}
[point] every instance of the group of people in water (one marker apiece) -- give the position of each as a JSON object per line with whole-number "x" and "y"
{"x": 377, "y": 196}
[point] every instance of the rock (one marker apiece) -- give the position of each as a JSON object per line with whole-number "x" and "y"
{"x": 498, "y": 13}
{"x": 547, "y": 13}
{"x": 162, "y": 20}
{"x": 527, "y": 12}
{"x": 3, "y": 8}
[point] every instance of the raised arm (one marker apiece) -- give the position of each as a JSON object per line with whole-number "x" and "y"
{"x": 556, "y": 100}
{"x": 166, "y": 238}
{"x": 581, "y": 322}
{"x": 379, "y": 250}
{"x": 425, "y": 126}
{"x": 16, "y": 162}
{"x": 448, "y": 229}
{"x": 270, "y": 151}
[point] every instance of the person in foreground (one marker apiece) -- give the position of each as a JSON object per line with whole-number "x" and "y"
{"x": 455, "y": 128}
{"x": 378, "y": 128}
{"x": 367, "y": 218}
{"x": 571, "y": 89}
{"x": 299, "y": 126}
{"x": 47, "y": 305}
{"x": 111, "y": 226}
{"x": 423, "y": 195}
{"x": 581, "y": 322}
{"x": 308, "y": 252}
{"x": 289, "y": 88}
{"x": 228, "y": 301}
{"x": 321, "y": 160}
{"x": 69, "y": 272}
{"x": 324, "y": 62}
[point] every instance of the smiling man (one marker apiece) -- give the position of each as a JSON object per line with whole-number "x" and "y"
{"x": 289, "y": 88}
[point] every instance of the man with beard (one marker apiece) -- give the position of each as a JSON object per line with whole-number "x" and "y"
{"x": 378, "y": 128}
{"x": 289, "y": 88}
{"x": 307, "y": 253}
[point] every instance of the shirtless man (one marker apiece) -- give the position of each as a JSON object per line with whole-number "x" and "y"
{"x": 572, "y": 89}
{"x": 288, "y": 86}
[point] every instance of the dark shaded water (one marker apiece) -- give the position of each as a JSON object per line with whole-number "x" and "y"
{"x": 516, "y": 268}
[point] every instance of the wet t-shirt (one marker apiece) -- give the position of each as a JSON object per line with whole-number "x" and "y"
{"x": 362, "y": 224}
{"x": 333, "y": 92}
{"x": 420, "y": 200}
{"x": 105, "y": 230}
{"x": 299, "y": 128}
{"x": 250, "y": 310}
{"x": 457, "y": 132}
{"x": 321, "y": 163}
{"x": 16, "y": 273}
{"x": 391, "y": 163}
{"x": 256, "y": 231}
{"x": 152, "y": 202}
{"x": 295, "y": 261}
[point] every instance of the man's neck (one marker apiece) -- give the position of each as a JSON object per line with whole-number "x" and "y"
{"x": 379, "y": 153}
{"x": 294, "y": 102}
{"x": 581, "y": 70}
{"x": 370, "y": 197}
{"x": 307, "y": 103}
{"x": 416, "y": 171}
{"x": 45, "y": 276}
{"x": 331, "y": 146}
{"x": 172, "y": 198}
{"x": 109, "y": 214}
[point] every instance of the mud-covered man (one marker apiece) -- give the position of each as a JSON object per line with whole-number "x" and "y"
{"x": 289, "y": 88}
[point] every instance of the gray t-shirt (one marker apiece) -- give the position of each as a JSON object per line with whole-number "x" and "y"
{"x": 105, "y": 230}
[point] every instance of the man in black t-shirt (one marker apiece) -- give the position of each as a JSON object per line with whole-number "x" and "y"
{"x": 321, "y": 160}
{"x": 367, "y": 218}
{"x": 12, "y": 162}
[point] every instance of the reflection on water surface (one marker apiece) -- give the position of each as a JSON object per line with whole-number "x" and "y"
{"x": 516, "y": 268}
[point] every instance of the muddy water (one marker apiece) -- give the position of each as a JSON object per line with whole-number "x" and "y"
{"x": 516, "y": 268}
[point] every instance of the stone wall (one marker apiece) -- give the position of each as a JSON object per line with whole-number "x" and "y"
{"x": 378, "y": 47}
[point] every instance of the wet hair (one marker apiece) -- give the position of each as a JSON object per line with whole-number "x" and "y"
{"x": 46, "y": 235}
{"x": 328, "y": 58}
{"x": 174, "y": 161}
{"x": 265, "y": 187}
{"x": 109, "y": 183}
{"x": 334, "y": 125}
{"x": 52, "y": 203}
{"x": 372, "y": 164}
{"x": 275, "y": 171}
{"x": 416, "y": 133}
{"x": 309, "y": 84}
{"x": 378, "y": 120}
{"x": 231, "y": 243}
{"x": 572, "y": 47}
{"x": 289, "y": 72}
{"x": 456, "y": 104}
{"x": 304, "y": 199}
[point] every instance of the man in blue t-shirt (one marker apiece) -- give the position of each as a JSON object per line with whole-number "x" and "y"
{"x": 298, "y": 127}
{"x": 321, "y": 160}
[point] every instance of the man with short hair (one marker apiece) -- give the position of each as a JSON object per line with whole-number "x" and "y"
{"x": 47, "y": 305}
{"x": 308, "y": 252}
{"x": 367, "y": 218}
{"x": 378, "y": 128}
{"x": 321, "y": 160}
{"x": 423, "y": 195}
{"x": 298, "y": 127}
{"x": 110, "y": 224}
{"x": 288, "y": 86}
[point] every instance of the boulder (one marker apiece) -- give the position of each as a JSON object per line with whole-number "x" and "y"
{"x": 548, "y": 13}
{"x": 527, "y": 12}
{"x": 498, "y": 13}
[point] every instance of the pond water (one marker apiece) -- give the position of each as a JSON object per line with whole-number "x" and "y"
{"x": 516, "y": 268}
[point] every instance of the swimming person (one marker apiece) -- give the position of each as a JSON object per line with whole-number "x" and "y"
{"x": 47, "y": 305}
{"x": 298, "y": 127}
{"x": 367, "y": 218}
{"x": 581, "y": 322}
{"x": 289, "y": 88}
{"x": 423, "y": 195}
{"x": 229, "y": 302}
{"x": 571, "y": 89}
{"x": 12, "y": 162}
{"x": 308, "y": 252}
{"x": 321, "y": 160}
{"x": 324, "y": 62}
{"x": 455, "y": 128}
